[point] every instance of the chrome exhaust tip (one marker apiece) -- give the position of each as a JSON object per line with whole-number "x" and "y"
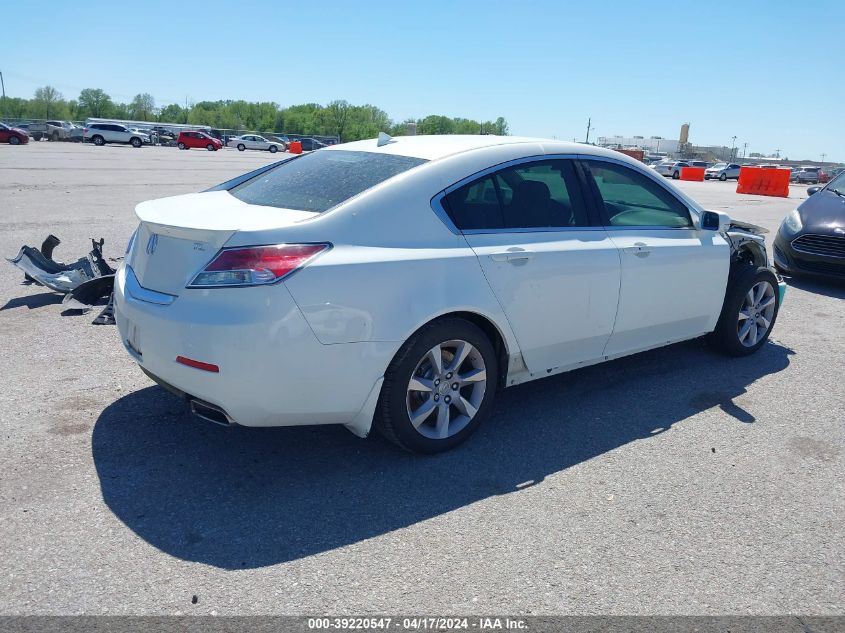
{"x": 211, "y": 413}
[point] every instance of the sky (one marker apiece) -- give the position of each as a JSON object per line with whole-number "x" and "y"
{"x": 768, "y": 72}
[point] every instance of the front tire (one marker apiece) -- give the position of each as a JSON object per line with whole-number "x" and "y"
{"x": 723, "y": 177}
{"x": 438, "y": 388}
{"x": 676, "y": 176}
{"x": 749, "y": 311}
{"x": 14, "y": 140}
{"x": 135, "y": 142}
{"x": 273, "y": 149}
{"x": 209, "y": 147}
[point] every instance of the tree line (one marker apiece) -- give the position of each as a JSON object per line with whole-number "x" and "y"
{"x": 338, "y": 118}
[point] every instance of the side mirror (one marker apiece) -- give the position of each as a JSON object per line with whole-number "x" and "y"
{"x": 812, "y": 190}
{"x": 714, "y": 221}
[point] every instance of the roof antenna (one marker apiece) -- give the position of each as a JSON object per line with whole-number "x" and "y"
{"x": 384, "y": 139}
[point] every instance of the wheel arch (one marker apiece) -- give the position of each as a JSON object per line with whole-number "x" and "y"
{"x": 503, "y": 342}
{"x": 749, "y": 252}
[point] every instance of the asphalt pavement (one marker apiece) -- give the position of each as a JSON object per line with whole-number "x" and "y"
{"x": 676, "y": 481}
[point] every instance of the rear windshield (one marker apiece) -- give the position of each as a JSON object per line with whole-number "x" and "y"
{"x": 321, "y": 180}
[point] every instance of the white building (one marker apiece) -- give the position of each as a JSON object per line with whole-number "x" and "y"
{"x": 652, "y": 144}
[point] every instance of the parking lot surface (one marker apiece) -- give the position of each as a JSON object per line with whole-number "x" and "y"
{"x": 676, "y": 481}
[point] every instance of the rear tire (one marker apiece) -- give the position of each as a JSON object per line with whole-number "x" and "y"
{"x": 54, "y": 137}
{"x": 241, "y": 147}
{"x": 448, "y": 402}
{"x": 98, "y": 140}
{"x": 749, "y": 312}
{"x": 181, "y": 146}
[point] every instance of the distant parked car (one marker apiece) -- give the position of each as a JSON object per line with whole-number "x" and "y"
{"x": 722, "y": 171}
{"x": 192, "y": 138}
{"x": 13, "y": 135}
{"x": 811, "y": 175}
{"x": 811, "y": 239}
{"x": 673, "y": 169}
{"x": 253, "y": 141}
{"x": 310, "y": 144}
{"x": 55, "y": 131}
{"x": 284, "y": 140}
{"x": 102, "y": 133}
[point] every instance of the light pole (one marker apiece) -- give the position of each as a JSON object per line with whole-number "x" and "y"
{"x": 744, "y": 147}
{"x": 733, "y": 144}
{"x": 3, "y": 84}
{"x": 823, "y": 157}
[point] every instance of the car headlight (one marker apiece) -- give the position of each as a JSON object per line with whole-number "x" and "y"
{"x": 792, "y": 222}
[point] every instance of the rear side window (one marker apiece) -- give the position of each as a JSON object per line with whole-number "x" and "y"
{"x": 322, "y": 180}
{"x": 633, "y": 199}
{"x": 537, "y": 195}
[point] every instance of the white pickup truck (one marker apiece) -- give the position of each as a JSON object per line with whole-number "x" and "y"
{"x": 55, "y": 131}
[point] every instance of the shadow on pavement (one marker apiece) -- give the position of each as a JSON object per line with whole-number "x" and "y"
{"x": 834, "y": 288}
{"x": 246, "y": 498}
{"x": 33, "y": 301}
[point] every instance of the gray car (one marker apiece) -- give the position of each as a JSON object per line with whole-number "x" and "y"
{"x": 722, "y": 171}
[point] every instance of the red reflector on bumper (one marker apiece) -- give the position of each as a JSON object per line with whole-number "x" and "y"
{"x": 190, "y": 362}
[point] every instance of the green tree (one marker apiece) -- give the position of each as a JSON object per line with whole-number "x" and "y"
{"x": 142, "y": 107}
{"x": 48, "y": 103}
{"x": 94, "y": 102}
{"x": 337, "y": 115}
{"x": 173, "y": 113}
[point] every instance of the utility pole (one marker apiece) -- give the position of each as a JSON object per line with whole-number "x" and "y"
{"x": 777, "y": 153}
{"x": 823, "y": 157}
{"x": 587, "y": 140}
{"x": 744, "y": 147}
{"x": 3, "y": 84}
{"x": 733, "y": 144}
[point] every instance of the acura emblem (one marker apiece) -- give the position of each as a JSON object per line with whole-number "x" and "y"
{"x": 152, "y": 243}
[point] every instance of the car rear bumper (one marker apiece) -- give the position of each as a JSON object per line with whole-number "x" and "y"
{"x": 796, "y": 262}
{"x": 272, "y": 369}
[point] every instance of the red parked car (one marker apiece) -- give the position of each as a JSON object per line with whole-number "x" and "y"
{"x": 13, "y": 135}
{"x": 192, "y": 138}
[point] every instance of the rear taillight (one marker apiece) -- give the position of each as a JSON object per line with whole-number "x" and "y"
{"x": 255, "y": 265}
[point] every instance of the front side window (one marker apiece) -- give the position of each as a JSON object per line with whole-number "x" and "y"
{"x": 537, "y": 195}
{"x": 634, "y": 199}
{"x": 319, "y": 181}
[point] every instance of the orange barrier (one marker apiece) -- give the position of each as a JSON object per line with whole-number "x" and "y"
{"x": 692, "y": 173}
{"x": 763, "y": 181}
{"x": 295, "y": 147}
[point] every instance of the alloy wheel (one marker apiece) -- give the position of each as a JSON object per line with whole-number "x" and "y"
{"x": 756, "y": 313}
{"x": 446, "y": 389}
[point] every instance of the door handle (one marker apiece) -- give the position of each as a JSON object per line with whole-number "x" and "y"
{"x": 512, "y": 256}
{"x": 639, "y": 249}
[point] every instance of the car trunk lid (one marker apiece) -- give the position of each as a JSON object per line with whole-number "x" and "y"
{"x": 178, "y": 236}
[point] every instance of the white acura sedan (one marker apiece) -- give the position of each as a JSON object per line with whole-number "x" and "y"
{"x": 400, "y": 283}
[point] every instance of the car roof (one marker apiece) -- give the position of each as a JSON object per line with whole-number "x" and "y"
{"x": 433, "y": 147}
